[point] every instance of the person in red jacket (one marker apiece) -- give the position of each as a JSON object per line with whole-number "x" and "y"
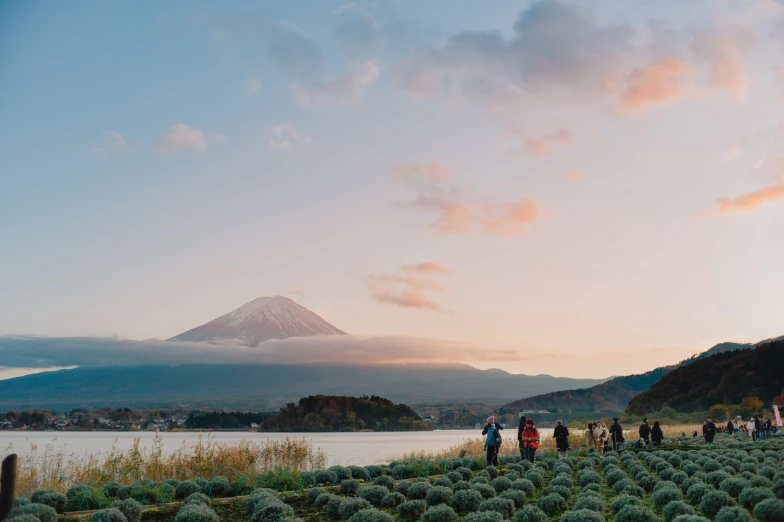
{"x": 530, "y": 440}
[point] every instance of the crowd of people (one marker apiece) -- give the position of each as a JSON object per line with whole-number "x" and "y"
{"x": 599, "y": 438}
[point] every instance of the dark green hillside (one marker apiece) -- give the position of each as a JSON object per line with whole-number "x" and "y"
{"x": 337, "y": 413}
{"x": 724, "y": 378}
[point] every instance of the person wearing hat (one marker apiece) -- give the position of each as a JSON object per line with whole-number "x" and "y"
{"x": 493, "y": 441}
{"x": 530, "y": 440}
{"x": 616, "y": 434}
{"x": 645, "y": 432}
{"x": 561, "y": 436}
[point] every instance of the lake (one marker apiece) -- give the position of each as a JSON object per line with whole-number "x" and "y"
{"x": 359, "y": 449}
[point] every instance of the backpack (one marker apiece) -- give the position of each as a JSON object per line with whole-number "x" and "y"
{"x": 498, "y": 439}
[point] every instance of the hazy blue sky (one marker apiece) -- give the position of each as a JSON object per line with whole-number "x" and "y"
{"x": 583, "y": 179}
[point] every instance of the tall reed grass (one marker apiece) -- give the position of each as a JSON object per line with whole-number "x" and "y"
{"x": 59, "y": 469}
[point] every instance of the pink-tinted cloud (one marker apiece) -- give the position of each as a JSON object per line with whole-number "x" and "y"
{"x": 286, "y": 137}
{"x": 752, "y": 200}
{"x": 409, "y": 290}
{"x": 425, "y": 172}
{"x": 182, "y": 136}
{"x": 572, "y": 176}
{"x": 722, "y": 52}
{"x": 655, "y": 84}
{"x": 544, "y": 145}
{"x": 510, "y": 219}
{"x": 345, "y": 89}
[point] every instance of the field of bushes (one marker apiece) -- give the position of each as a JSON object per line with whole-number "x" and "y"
{"x": 732, "y": 480}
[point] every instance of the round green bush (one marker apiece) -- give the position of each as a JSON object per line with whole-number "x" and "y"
{"x": 359, "y": 473}
{"x": 536, "y": 477}
{"x": 260, "y": 497}
{"x": 443, "y": 482}
{"x": 500, "y": 505}
{"x": 323, "y": 499}
{"x": 637, "y": 491}
{"x": 631, "y": 513}
{"x": 349, "y": 487}
{"x": 392, "y": 500}
{"x": 313, "y": 494}
{"x": 691, "y": 518}
{"x": 690, "y": 469}
{"x": 697, "y": 491}
{"x": 760, "y": 482}
{"x": 196, "y": 512}
{"x": 518, "y": 497}
{"x": 623, "y": 484}
{"x": 438, "y": 495}
{"x": 666, "y": 495}
{"x": 712, "y": 502}
{"x": 590, "y": 502}
{"x": 530, "y": 514}
{"x": 465, "y": 473}
{"x": 778, "y": 488}
{"x": 733, "y": 514}
{"x": 585, "y": 492}
{"x": 591, "y": 487}
{"x": 418, "y": 490}
{"x": 771, "y": 510}
{"x": 552, "y": 504}
{"x": 198, "y": 497}
{"x": 524, "y": 485}
{"x": 674, "y": 509}
{"x": 501, "y": 484}
{"x": 371, "y": 515}
{"x": 375, "y": 494}
{"x": 566, "y": 493}
{"x": 274, "y": 511}
{"x": 218, "y": 487}
{"x": 582, "y": 515}
{"x": 622, "y": 501}
{"x": 350, "y": 506}
{"x": 461, "y": 485}
{"x": 715, "y": 478}
{"x": 49, "y": 497}
{"x": 750, "y": 497}
{"x": 440, "y": 513}
{"x": 486, "y": 516}
{"x": 588, "y": 476}
{"x": 484, "y": 490}
{"x": 454, "y": 477}
{"x": 412, "y": 510}
{"x": 466, "y": 501}
{"x": 614, "y": 475}
{"x": 562, "y": 480}
{"x": 647, "y": 482}
{"x": 733, "y": 486}
{"x": 42, "y": 512}
{"x": 185, "y": 488}
{"x": 23, "y": 518}
{"x": 492, "y": 471}
{"x": 130, "y": 508}
{"x": 108, "y": 515}
{"x": 385, "y": 481}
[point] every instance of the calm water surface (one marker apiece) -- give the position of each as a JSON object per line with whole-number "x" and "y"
{"x": 341, "y": 448}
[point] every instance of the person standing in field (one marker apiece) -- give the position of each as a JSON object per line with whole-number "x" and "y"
{"x": 750, "y": 429}
{"x": 493, "y": 441}
{"x": 616, "y": 434}
{"x": 730, "y": 427}
{"x": 709, "y": 431}
{"x": 590, "y": 440}
{"x": 530, "y": 440}
{"x": 758, "y": 428}
{"x": 598, "y": 437}
{"x": 656, "y": 434}
{"x": 645, "y": 432}
{"x": 520, "y": 428}
{"x": 561, "y": 436}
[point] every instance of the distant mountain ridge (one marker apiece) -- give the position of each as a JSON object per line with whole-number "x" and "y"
{"x": 267, "y": 386}
{"x": 615, "y": 394}
{"x": 260, "y": 320}
{"x": 725, "y": 377}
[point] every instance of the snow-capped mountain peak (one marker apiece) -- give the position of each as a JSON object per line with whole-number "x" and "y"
{"x": 265, "y": 318}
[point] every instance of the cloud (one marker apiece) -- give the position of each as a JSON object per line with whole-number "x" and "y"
{"x": 655, "y": 84}
{"x": 182, "y": 136}
{"x": 541, "y": 146}
{"x": 287, "y": 138}
{"x": 459, "y": 213}
{"x": 112, "y": 142}
{"x": 48, "y": 352}
{"x": 572, "y": 176}
{"x": 731, "y": 154}
{"x": 252, "y": 85}
{"x": 409, "y": 290}
{"x": 296, "y": 52}
{"x": 356, "y": 30}
{"x": 751, "y": 200}
{"x": 295, "y": 292}
{"x": 344, "y": 89}
{"x": 721, "y": 51}
{"x": 10, "y": 372}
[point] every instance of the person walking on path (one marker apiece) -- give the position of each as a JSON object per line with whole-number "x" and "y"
{"x": 656, "y": 434}
{"x": 590, "y": 440}
{"x": 758, "y": 428}
{"x": 616, "y": 434}
{"x": 561, "y": 436}
{"x": 520, "y": 428}
{"x": 645, "y": 432}
{"x": 709, "y": 430}
{"x": 750, "y": 429}
{"x": 530, "y": 440}
{"x": 493, "y": 441}
{"x": 730, "y": 427}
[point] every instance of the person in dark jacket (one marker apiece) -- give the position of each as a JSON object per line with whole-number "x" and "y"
{"x": 656, "y": 434}
{"x": 709, "y": 430}
{"x": 493, "y": 442}
{"x": 759, "y": 428}
{"x": 616, "y": 434}
{"x": 520, "y": 428}
{"x": 645, "y": 431}
{"x": 561, "y": 436}
{"x": 730, "y": 427}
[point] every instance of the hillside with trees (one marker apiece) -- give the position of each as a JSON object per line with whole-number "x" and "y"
{"x": 338, "y": 413}
{"x": 725, "y": 378}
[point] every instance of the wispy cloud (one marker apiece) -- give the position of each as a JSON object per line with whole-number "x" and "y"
{"x": 341, "y": 89}
{"x": 457, "y": 212}
{"x": 749, "y": 201}
{"x": 411, "y": 287}
{"x": 182, "y": 136}
{"x": 539, "y": 146}
{"x": 252, "y": 85}
{"x": 111, "y": 142}
{"x": 655, "y": 84}
{"x": 286, "y": 137}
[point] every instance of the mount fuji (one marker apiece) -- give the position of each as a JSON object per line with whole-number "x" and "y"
{"x": 260, "y": 320}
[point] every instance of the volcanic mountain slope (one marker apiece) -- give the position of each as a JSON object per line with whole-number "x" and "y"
{"x": 724, "y": 378}
{"x": 262, "y": 319}
{"x": 614, "y": 395}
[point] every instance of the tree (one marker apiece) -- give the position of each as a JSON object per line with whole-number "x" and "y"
{"x": 751, "y": 404}
{"x": 719, "y": 412}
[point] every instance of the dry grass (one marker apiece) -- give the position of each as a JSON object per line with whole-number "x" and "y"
{"x": 51, "y": 467}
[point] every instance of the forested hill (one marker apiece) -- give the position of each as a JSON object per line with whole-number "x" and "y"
{"x": 338, "y": 413}
{"x": 612, "y": 396}
{"x": 724, "y": 378}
